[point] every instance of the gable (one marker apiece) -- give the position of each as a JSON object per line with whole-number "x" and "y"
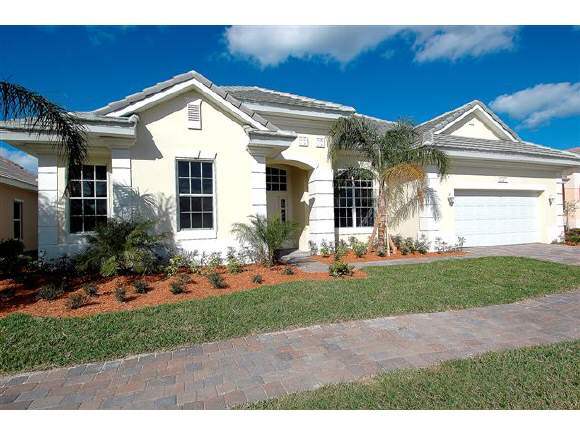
{"x": 477, "y": 123}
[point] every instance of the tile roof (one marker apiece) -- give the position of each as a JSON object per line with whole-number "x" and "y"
{"x": 161, "y": 86}
{"x": 381, "y": 125}
{"x": 256, "y": 94}
{"x": 12, "y": 170}
{"x": 519, "y": 147}
{"x": 440, "y": 121}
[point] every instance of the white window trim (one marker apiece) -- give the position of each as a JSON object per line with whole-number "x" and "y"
{"x": 196, "y": 234}
{"x": 21, "y": 220}
{"x": 76, "y": 236}
{"x": 354, "y": 229}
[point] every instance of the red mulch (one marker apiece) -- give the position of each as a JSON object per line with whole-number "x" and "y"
{"x": 372, "y": 256}
{"x": 25, "y": 301}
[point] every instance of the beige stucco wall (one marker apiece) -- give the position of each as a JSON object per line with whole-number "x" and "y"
{"x": 473, "y": 127}
{"x": 8, "y": 194}
{"x": 572, "y": 195}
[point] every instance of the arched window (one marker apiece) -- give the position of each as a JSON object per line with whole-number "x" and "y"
{"x": 353, "y": 200}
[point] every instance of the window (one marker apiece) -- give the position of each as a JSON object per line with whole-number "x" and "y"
{"x": 17, "y": 220}
{"x": 195, "y": 192}
{"x": 275, "y": 179}
{"x": 353, "y": 202}
{"x": 88, "y": 198}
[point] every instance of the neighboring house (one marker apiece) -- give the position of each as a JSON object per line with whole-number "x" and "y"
{"x": 198, "y": 158}
{"x": 18, "y": 204}
{"x": 572, "y": 194}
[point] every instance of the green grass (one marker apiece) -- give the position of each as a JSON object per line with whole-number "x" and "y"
{"x": 546, "y": 377}
{"x": 27, "y": 342}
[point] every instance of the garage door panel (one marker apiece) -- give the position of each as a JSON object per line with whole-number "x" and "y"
{"x": 496, "y": 217}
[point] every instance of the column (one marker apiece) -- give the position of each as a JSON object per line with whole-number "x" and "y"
{"x": 321, "y": 202}
{"x": 47, "y": 206}
{"x": 557, "y": 208}
{"x": 428, "y": 225}
{"x": 122, "y": 194}
{"x": 258, "y": 184}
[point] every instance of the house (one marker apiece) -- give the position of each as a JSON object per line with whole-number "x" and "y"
{"x": 198, "y": 157}
{"x": 572, "y": 196}
{"x": 18, "y": 204}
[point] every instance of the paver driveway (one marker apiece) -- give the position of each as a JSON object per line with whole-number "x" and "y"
{"x": 224, "y": 374}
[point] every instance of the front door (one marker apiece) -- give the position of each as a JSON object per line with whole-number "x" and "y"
{"x": 277, "y": 196}
{"x": 277, "y": 205}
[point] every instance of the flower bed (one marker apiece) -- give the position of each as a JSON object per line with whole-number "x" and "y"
{"x": 350, "y": 257}
{"x": 18, "y": 298}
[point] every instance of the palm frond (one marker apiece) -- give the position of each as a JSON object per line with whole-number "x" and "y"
{"x": 39, "y": 115}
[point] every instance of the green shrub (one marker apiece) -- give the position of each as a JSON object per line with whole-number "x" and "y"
{"x": 340, "y": 269}
{"x": 175, "y": 264}
{"x": 121, "y": 294}
{"x": 397, "y": 240}
{"x": 381, "y": 251}
{"x": 141, "y": 286}
{"x": 422, "y": 244}
{"x": 11, "y": 258}
{"x": 572, "y": 236}
{"x": 120, "y": 247}
{"x": 340, "y": 250}
{"x": 50, "y": 292}
{"x": 359, "y": 249}
{"x": 325, "y": 248}
{"x": 288, "y": 271}
{"x": 215, "y": 261}
{"x": 264, "y": 236}
{"x": 216, "y": 280}
{"x": 90, "y": 289}
{"x": 257, "y": 279}
{"x": 177, "y": 287}
{"x": 76, "y": 300}
{"x": 233, "y": 264}
{"x": 313, "y": 247}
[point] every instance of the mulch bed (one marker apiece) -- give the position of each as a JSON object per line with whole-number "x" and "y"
{"x": 15, "y": 298}
{"x": 372, "y": 257}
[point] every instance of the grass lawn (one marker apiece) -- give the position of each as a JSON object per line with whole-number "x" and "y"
{"x": 546, "y": 377}
{"x": 27, "y": 342}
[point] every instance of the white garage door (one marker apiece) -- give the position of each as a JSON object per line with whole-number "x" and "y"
{"x": 485, "y": 217}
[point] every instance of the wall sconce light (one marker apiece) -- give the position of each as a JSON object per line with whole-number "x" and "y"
{"x": 451, "y": 200}
{"x": 551, "y": 199}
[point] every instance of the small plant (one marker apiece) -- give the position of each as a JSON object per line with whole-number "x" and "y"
{"x": 422, "y": 244}
{"x": 460, "y": 243}
{"x": 340, "y": 269}
{"x": 50, "y": 292}
{"x": 233, "y": 264}
{"x": 359, "y": 248}
{"x": 257, "y": 279}
{"x": 141, "y": 286}
{"x": 121, "y": 294}
{"x": 177, "y": 287}
{"x": 381, "y": 252}
{"x": 288, "y": 271}
{"x": 397, "y": 240}
{"x": 340, "y": 250}
{"x": 76, "y": 300}
{"x": 216, "y": 280}
{"x": 175, "y": 264}
{"x": 214, "y": 261}
{"x": 325, "y": 248}
{"x": 313, "y": 247}
{"x": 90, "y": 289}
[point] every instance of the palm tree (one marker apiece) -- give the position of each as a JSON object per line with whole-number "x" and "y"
{"x": 38, "y": 115}
{"x": 398, "y": 165}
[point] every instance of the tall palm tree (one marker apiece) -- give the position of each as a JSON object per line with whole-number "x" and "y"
{"x": 398, "y": 165}
{"x": 38, "y": 115}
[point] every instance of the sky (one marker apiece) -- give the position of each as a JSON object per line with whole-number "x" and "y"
{"x": 529, "y": 75}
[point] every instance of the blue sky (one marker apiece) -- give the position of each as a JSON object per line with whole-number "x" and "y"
{"x": 529, "y": 75}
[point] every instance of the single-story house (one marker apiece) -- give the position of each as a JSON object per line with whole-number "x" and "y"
{"x": 198, "y": 157}
{"x": 19, "y": 204}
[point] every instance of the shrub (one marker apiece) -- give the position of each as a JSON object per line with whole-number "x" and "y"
{"x": 175, "y": 264}
{"x": 325, "y": 248}
{"x": 572, "y": 236}
{"x": 90, "y": 289}
{"x": 216, "y": 280}
{"x": 459, "y": 245}
{"x": 397, "y": 240}
{"x": 214, "y": 261}
{"x": 177, "y": 287}
{"x": 265, "y": 237}
{"x": 257, "y": 279}
{"x": 121, "y": 294}
{"x": 422, "y": 244}
{"x": 141, "y": 286}
{"x": 313, "y": 247}
{"x": 76, "y": 300}
{"x": 340, "y": 250}
{"x": 50, "y": 291}
{"x": 121, "y": 246}
{"x": 233, "y": 265}
{"x": 381, "y": 252}
{"x": 11, "y": 257}
{"x": 287, "y": 271}
{"x": 340, "y": 269}
{"x": 359, "y": 249}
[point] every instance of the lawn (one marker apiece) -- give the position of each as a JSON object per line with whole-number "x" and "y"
{"x": 546, "y": 377}
{"x": 27, "y": 342}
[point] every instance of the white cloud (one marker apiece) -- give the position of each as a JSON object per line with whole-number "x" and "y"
{"x": 272, "y": 45}
{"x": 99, "y": 35}
{"x": 541, "y": 103}
{"x": 23, "y": 159}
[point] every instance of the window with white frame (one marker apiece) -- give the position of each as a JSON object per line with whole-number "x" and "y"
{"x": 88, "y": 198}
{"x": 195, "y": 188}
{"x": 17, "y": 220}
{"x": 276, "y": 179}
{"x": 353, "y": 201}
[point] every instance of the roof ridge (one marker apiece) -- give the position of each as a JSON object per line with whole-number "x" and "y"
{"x": 448, "y": 112}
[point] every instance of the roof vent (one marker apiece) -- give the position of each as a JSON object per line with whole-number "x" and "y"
{"x": 194, "y": 115}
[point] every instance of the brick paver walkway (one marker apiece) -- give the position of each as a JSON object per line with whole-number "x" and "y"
{"x": 224, "y": 374}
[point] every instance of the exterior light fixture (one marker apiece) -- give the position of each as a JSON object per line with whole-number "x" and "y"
{"x": 451, "y": 200}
